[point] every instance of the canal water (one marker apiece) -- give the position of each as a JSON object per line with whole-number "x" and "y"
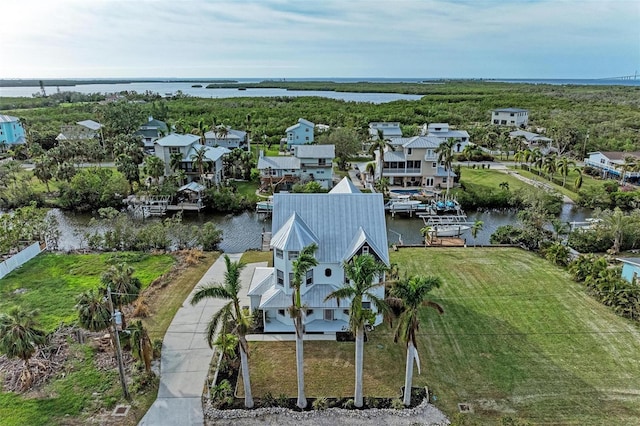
{"x": 244, "y": 231}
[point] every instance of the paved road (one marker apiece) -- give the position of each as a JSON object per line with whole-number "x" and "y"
{"x": 186, "y": 355}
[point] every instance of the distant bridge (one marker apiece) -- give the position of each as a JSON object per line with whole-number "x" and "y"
{"x": 623, "y": 77}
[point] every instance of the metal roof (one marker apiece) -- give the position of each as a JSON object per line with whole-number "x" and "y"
{"x": 315, "y": 151}
{"x": 275, "y": 298}
{"x": 358, "y": 241}
{"x": 211, "y": 153}
{"x": 510, "y": 110}
{"x": 279, "y": 163}
{"x": 335, "y": 219}
{"x": 90, "y": 124}
{"x": 176, "y": 139}
{"x": 300, "y": 122}
{"x": 261, "y": 280}
{"x": 423, "y": 142}
{"x": 635, "y": 261}
{"x": 397, "y": 155}
{"x": 315, "y": 295}
{"x": 294, "y": 235}
{"x": 8, "y": 119}
{"x": 345, "y": 186}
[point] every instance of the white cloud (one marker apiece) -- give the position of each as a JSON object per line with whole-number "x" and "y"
{"x": 278, "y": 38}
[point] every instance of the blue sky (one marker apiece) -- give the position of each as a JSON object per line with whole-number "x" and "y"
{"x": 320, "y": 38}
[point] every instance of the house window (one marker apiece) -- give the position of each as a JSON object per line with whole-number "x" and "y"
{"x": 495, "y": 121}
{"x": 327, "y": 272}
{"x": 292, "y": 255}
{"x": 279, "y": 254}
{"x": 328, "y": 315}
{"x": 281, "y": 312}
{"x": 602, "y": 161}
{"x": 280, "y": 277}
{"x": 366, "y": 305}
{"x": 408, "y": 151}
{"x": 306, "y": 138}
{"x": 309, "y": 312}
{"x": 306, "y": 130}
{"x": 174, "y": 150}
{"x": 309, "y": 278}
{"x": 345, "y": 311}
{"x": 512, "y": 114}
{"x": 444, "y": 179}
{"x": 365, "y": 249}
{"x": 290, "y": 278}
{"x": 322, "y": 162}
{"x": 434, "y": 165}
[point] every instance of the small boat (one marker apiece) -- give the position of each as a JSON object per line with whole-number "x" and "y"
{"x": 449, "y": 230}
{"x": 265, "y": 206}
{"x": 402, "y": 203}
{"x": 242, "y": 88}
{"x": 196, "y": 85}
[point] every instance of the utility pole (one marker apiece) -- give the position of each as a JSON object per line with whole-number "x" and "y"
{"x": 123, "y": 380}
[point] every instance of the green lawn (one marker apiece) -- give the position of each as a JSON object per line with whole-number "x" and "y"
{"x": 489, "y": 179}
{"x": 518, "y": 338}
{"x": 248, "y": 189}
{"x": 52, "y": 281}
{"x": 588, "y": 182}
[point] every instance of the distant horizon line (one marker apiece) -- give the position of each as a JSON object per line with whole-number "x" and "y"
{"x": 363, "y": 78}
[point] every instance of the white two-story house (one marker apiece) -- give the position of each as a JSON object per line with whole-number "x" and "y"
{"x": 443, "y": 132}
{"x": 300, "y": 133}
{"x": 414, "y": 162}
{"x": 389, "y": 130}
{"x": 308, "y": 163}
{"x": 342, "y": 225}
{"x": 185, "y": 148}
{"x": 226, "y": 137}
{"x": 515, "y": 117}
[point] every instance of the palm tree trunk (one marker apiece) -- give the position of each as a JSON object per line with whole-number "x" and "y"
{"x": 408, "y": 375}
{"x": 248, "y": 397}
{"x": 357, "y": 399}
{"x": 302, "y": 400}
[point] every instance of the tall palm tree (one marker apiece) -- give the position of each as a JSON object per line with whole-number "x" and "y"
{"x": 19, "y": 338}
{"x": 174, "y": 161}
{"x": 536, "y": 159}
{"x": 578, "y": 182}
{"x": 305, "y": 261}
{"x": 361, "y": 272}
{"x": 201, "y": 129}
{"x": 93, "y": 312}
{"x": 380, "y": 145}
{"x": 141, "y": 344}
{"x": 468, "y": 151}
{"x": 199, "y": 160}
{"x": 619, "y": 225}
{"x": 232, "y": 312}
{"x": 409, "y": 295}
{"x": 563, "y": 165}
{"x": 125, "y": 288}
{"x": 475, "y": 228}
{"x": 154, "y": 167}
{"x": 445, "y": 156}
{"x": 550, "y": 165}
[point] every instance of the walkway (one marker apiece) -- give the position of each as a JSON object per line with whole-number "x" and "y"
{"x": 186, "y": 355}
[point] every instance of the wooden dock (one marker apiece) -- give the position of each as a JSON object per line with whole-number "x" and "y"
{"x": 447, "y": 242}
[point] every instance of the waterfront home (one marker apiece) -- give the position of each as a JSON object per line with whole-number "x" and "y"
{"x": 11, "y": 132}
{"x": 342, "y": 225}
{"x": 613, "y": 165}
{"x": 534, "y": 140}
{"x": 414, "y": 162}
{"x": 81, "y": 130}
{"x": 345, "y": 186}
{"x": 150, "y": 131}
{"x": 308, "y": 163}
{"x": 389, "y": 130}
{"x": 630, "y": 268}
{"x": 515, "y": 117}
{"x": 186, "y": 148}
{"x": 226, "y": 137}
{"x": 300, "y": 133}
{"x": 443, "y": 132}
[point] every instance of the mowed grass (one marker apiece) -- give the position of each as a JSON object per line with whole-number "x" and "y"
{"x": 588, "y": 182}
{"x": 50, "y": 282}
{"x": 488, "y": 179}
{"x": 255, "y": 256}
{"x": 518, "y": 338}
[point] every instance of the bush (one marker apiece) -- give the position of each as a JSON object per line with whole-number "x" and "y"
{"x": 209, "y": 236}
{"x": 397, "y": 404}
{"x": 349, "y": 404}
{"x": 320, "y": 404}
{"x": 91, "y": 189}
{"x": 589, "y": 241}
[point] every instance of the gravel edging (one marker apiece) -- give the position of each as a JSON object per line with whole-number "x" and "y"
{"x": 423, "y": 414}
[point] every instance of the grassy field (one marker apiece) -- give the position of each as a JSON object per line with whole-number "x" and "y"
{"x": 52, "y": 281}
{"x": 254, "y": 256}
{"x": 518, "y": 338}
{"x": 489, "y": 179}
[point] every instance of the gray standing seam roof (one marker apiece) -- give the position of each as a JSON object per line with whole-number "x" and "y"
{"x": 279, "y": 163}
{"x": 335, "y": 219}
{"x": 315, "y": 151}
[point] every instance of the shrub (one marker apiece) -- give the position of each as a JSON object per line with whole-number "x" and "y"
{"x": 349, "y": 404}
{"x": 320, "y": 404}
{"x": 221, "y": 394}
{"x": 397, "y": 404}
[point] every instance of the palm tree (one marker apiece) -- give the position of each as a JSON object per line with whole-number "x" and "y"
{"x": 19, "y": 338}
{"x": 562, "y": 165}
{"x": 232, "y": 312}
{"x": 427, "y": 232}
{"x": 125, "y": 287}
{"x": 619, "y": 225}
{"x": 174, "y": 161}
{"x": 630, "y": 164}
{"x": 361, "y": 272}
{"x": 578, "y": 182}
{"x": 380, "y": 144}
{"x": 93, "y": 312}
{"x": 141, "y": 344}
{"x": 475, "y": 228}
{"x": 536, "y": 159}
{"x": 300, "y": 266}
{"x": 468, "y": 151}
{"x": 550, "y": 165}
{"x": 43, "y": 170}
{"x": 199, "y": 160}
{"x": 445, "y": 156}
{"x": 409, "y": 295}
{"x": 154, "y": 167}
{"x": 201, "y": 129}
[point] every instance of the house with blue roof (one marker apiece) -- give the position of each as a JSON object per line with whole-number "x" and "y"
{"x": 308, "y": 163}
{"x": 150, "y": 131}
{"x": 630, "y": 268}
{"x": 226, "y": 137}
{"x": 343, "y": 224}
{"x": 300, "y": 133}
{"x": 413, "y": 162}
{"x": 185, "y": 148}
{"x": 11, "y": 132}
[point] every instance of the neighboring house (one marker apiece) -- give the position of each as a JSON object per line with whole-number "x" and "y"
{"x": 343, "y": 225}
{"x": 300, "y": 133}
{"x": 611, "y": 164}
{"x": 443, "y": 132}
{"x": 345, "y": 186}
{"x": 414, "y": 162}
{"x": 11, "y": 131}
{"x": 389, "y": 130}
{"x": 534, "y": 140}
{"x": 151, "y": 131}
{"x": 187, "y": 146}
{"x": 86, "y": 129}
{"x": 510, "y": 117}
{"x": 630, "y": 268}
{"x": 308, "y": 162}
{"x": 228, "y": 138}
{"x": 321, "y": 128}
